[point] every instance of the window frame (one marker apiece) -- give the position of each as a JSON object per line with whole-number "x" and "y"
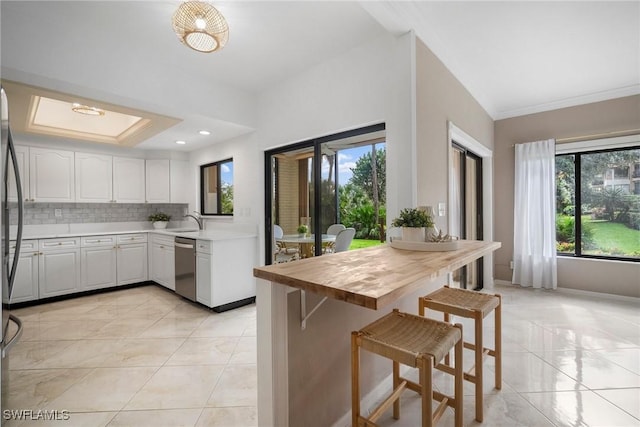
{"x": 218, "y": 187}
{"x": 577, "y": 215}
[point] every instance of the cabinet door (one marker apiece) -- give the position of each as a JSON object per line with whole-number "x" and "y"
{"x": 98, "y": 267}
{"x": 132, "y": 263}
{"x": 157, "y": 181}
{"x": 203, "y": 279}
{"x": 180, "y": 179}
{"x": 170, "y": 267}
{"x": 162, "y": 265}
{"x": 128, "y": 180}
{"x": 51, "y": 175}
{"x": 94, "y": 182}
{"x": 22, "y": 157}
{"x": 59, "y": 272}
{"x": 25, "y": 287}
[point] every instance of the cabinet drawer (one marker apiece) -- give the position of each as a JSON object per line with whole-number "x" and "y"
{"x": 90, "y": 241}
{"x": 62, "y": 243}
{"x": 162, "y": 239}
{"x": 132, "y": 238}
{"x": 26, "y": 246}
{"x": 204, "y": 246}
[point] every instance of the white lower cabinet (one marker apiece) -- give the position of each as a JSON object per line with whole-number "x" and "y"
{"x": 98, "y": 266}
{"x": 59, "y": 267}
{"x": 223, "y": 276}
{"x": 203, "y": 279}
{"x": 132, "y": 258}
{"x": 162, "y": 261}
{"x": 25, "y": 286}
{"x": 111, "y": 260}
{"x": 97, "y": 262}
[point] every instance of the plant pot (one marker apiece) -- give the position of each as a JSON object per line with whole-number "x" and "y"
{"x": 160, "y": 224}
{"x": 413, "y": 234}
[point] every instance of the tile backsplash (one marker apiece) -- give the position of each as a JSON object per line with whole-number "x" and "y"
{"x": 72, "y": 213}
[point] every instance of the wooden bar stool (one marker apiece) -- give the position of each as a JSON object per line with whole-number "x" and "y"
{"x": 473, "y": 305}
{"x": 413, "y": 341}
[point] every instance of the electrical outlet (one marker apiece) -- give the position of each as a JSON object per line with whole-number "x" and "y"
{"x": 57, "y": 213}
{"x": 442, "y": 209}
{"x": 511, "y": 265}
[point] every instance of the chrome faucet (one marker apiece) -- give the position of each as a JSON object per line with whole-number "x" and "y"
{"x": 197, "y": 217}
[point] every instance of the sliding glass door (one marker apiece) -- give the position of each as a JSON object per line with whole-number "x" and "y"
{"x": 303, "y": 184}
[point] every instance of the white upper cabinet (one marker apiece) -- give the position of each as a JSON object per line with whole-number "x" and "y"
{"x": 180, "y": 181}
{"x": 158, "y": 181}
{"x": 51, "y": 175}
{"x": 94, "y": 178}
{"x": 128, "y": 180}
{"x": 22, "y": 158}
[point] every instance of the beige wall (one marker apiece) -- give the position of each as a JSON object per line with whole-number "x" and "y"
{"x": 589, "y": 119}
{"x": 441, "y": 98}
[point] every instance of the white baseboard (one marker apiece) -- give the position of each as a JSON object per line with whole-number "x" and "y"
{"x": 578, "y": 292}
{"x": 597, "y": 294}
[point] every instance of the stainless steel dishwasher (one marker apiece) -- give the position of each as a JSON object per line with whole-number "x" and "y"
{"x": 185, "y": 256}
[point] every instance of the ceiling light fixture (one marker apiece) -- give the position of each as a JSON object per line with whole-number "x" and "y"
{"x": 200, "y": 26}
{"x": 181, "y": 142}
{"x": 86, "y": 110}
{"x": 204, "y": 132}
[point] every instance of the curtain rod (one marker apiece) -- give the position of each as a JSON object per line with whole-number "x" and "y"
{"x": 596, "y": 136}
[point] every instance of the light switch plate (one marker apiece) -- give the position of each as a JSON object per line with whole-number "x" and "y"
{"x": 442, "y": 209}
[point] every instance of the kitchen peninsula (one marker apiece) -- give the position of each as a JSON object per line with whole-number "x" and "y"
{"x": 306, "y": 311}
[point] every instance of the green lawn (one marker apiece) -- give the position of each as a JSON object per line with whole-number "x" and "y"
{"x": 362, "y": 243}
{"x": 614, "y": 239}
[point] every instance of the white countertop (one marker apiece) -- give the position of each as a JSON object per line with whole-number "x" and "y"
{"x": 226, "y": 233}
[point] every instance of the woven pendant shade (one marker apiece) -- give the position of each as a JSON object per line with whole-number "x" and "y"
{"x": 200, "y": 26}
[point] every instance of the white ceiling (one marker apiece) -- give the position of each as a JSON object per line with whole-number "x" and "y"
{"x": 514, "y": 57}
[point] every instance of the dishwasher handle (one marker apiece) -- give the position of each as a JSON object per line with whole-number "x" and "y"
{"x": 184, "y": 246}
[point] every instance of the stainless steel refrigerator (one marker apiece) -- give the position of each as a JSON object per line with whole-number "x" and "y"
{"x": 11, "y": 325}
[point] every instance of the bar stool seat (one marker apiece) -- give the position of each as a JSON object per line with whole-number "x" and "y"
{"x": 477, "y": 306}
{"x": 417, "y": 342}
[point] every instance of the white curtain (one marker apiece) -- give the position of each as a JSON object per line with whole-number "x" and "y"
{"x": 534, "y": 234}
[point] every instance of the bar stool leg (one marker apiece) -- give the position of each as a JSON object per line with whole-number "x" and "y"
{"x": 396, "y": 383}
{"x": 447, "y": 359}
{"x": 459, "y": 379}
{"x": 355, "y": 379}
{"x": 498, "y": 343}
{"x": 479, "y": 350}
{"x": 425, "y": 367}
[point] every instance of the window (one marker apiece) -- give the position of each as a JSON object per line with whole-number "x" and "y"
{"x": 216, "y": 188}
{"x": 598, "y": 204}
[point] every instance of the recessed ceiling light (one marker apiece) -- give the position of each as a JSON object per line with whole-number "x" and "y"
{"x": 181, "y": 142}
{"x": 204, "y": 132}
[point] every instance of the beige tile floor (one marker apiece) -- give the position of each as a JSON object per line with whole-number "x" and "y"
{"x": 568, "y": 360}
{"x": 144, "y": 357}
{"x": 136, "y": 357}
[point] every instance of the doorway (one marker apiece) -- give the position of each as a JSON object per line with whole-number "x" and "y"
{"x": 467, "y": 211}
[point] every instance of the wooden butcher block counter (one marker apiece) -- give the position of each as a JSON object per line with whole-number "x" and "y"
{"x": 372, "y": 277}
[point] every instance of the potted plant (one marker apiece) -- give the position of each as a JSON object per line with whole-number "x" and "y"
{"x": 414, "y": 223}
{"x": 302, "y": 230}
{"x": 159, "y": 219}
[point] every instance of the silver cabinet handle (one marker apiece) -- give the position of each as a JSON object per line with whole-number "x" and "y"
{"x": 184, "y": 246}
